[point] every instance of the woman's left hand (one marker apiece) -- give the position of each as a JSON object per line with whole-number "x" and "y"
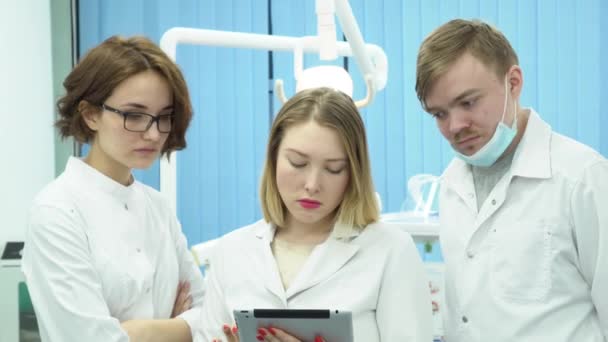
{"x": 231, "y": 333}
{"x": 272, "y": 334}
{"x": 269, "y": 334}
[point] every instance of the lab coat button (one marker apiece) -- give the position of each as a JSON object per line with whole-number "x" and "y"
{"x": 126, "y": 206}
{"x": 470, "y": 254}
{"x": 138, "y": 250}
{"x": 464, "y": 319}
{"x": 493, "y": 202}
{"x": 147, "y": 290}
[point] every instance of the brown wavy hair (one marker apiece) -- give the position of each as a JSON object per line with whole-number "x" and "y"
{"x": 104, "y": 67}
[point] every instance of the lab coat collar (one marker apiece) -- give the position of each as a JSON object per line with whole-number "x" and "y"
{"x": 267, "y": 269}
{"x": 325, "y": 260}
{"x": 266, "y": 231}
{"x": 532, "y": 158}
{"x": 458, "y": 177}
{"x": 89, "y": 177}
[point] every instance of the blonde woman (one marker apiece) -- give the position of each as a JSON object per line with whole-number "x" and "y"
{"x": 320, "y": 245}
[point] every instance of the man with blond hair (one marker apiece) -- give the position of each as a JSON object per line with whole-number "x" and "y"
{"x": 522, "y": 230}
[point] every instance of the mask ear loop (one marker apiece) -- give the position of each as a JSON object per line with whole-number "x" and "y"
{"x": 515, "y": 111}
{"x": 504, "y": 107}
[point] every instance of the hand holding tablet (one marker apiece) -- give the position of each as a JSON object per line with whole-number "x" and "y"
{"x": 291, "y": 325}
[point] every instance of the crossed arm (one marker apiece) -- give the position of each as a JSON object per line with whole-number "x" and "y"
{"x": 67, "y": 293}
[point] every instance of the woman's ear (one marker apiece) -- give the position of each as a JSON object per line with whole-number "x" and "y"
{"x": 90, "y": 114}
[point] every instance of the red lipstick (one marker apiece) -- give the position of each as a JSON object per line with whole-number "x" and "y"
{"x": 309, "y": 204}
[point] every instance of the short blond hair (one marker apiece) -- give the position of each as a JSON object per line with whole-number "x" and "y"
{"x": 337, "y": 111}
{"x": 450, "y": 41}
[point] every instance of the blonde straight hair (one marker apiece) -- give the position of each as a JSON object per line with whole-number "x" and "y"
{"x": 337, "y": 111}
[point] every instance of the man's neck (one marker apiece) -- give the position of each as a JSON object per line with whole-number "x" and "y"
{"x": 522, "y": 122}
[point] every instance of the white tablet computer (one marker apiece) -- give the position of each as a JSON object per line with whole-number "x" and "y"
{"x": 332, "y": 325}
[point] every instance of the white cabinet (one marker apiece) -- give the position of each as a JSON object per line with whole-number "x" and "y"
{"x": 10, "y": 277}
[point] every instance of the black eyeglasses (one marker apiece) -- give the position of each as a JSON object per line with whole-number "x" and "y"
{"x": 141, "y": 122}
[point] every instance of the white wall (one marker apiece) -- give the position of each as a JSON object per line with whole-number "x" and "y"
{"x": 26, "y": 110}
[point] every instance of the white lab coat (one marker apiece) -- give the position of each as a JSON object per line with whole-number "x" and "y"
{"x": 531, "y": 264}
{"x": 98, "y": 253}
{"x": 376, "y": 274}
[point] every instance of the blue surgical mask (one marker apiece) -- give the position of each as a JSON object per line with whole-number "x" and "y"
{"x": 498, "y": 144}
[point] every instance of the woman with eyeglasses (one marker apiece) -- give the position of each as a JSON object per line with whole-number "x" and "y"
{"x": 105, "y": 258}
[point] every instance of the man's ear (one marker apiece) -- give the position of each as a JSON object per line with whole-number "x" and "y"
{"x": 515, "y": 81}
{"x": 90, "y": 114}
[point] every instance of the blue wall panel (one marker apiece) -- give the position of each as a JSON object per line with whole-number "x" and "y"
{"x": 588, "y": 79}
{"x": 413, "y": 113}
{"x": 431, "y": 138}
{"x": 547, "y": 62}
{"x": 230, "y": 91}
{"x": 560, "y": 44}
{"x": 374, "y": 115}
{"x": 191, "y": 173}
{"x": 567, "y": 60}
{"x": 394, "y": 104}
{"x": 603, "y": 75}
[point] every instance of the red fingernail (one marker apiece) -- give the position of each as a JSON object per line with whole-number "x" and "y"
{"x": 260, "y": 338}
{"x": 272, "y": 331}
{"x": 261, "y": 332}
{"x": 318, "y": 339}
{"x": 226, "y": 327}
{"x": 235, "y": 329}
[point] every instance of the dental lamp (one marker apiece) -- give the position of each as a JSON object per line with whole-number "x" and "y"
{"x": 370, "y": 58}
